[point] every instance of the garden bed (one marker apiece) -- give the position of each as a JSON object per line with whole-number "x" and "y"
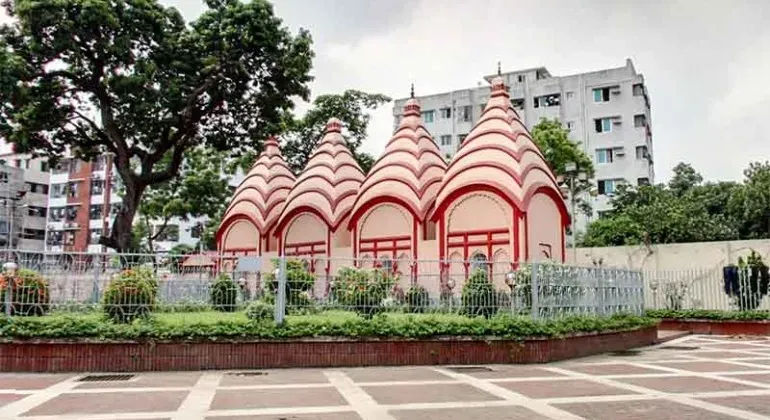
{"x": 215, "y": 340}
{"x": 714, "y": 322}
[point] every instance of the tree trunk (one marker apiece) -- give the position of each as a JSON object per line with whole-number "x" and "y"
{"x": 121, "y": 233}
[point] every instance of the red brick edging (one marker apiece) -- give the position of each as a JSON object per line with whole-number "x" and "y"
{"x": 717, "y": 327}
{"x": 62, "y": 356}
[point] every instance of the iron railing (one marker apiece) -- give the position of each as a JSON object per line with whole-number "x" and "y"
{"x": 127, "y": 286}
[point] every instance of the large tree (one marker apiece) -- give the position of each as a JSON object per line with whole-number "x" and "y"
{"x": 131, "y": 78}
{"x": 684, "y": 210}
{"x": 201, "y": 190}
{"x": 553, "y": 140}
{"x": 351, "y": 107}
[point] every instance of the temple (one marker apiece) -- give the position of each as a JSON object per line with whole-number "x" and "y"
{"x": 496, "y": 203}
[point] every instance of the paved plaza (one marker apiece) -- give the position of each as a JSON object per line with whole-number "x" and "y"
{"x": 695, "y": 377}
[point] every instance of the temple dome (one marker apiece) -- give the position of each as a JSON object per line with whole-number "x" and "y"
{"x": 261, "y": 194}
{"x": 409, "y": 171}
{"x": 499, "y": 155}
{"x": 329, "y": 184}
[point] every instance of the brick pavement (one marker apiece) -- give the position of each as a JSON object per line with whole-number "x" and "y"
{"x": 695, "y": 377}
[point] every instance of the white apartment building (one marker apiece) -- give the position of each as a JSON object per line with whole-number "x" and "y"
{"x": 24, "y": 199}
{"x": 607, "y": 113}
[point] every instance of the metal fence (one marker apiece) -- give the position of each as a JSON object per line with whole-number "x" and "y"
{"x": 719, "y": 288}
{"x": 127, "y": 286}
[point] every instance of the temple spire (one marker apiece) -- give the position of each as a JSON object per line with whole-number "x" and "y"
{"x": 499, "y": 71}
{"x": 411, "y": 92}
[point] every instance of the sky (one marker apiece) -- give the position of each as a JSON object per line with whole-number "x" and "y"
{"x": 706, "y": 64}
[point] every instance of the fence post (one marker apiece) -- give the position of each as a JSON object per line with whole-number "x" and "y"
{"x": 600, "y": 290}
{"x": 535, "y": 291}
{"x": 8, "y": 298}
{"x": 280, "y": 296}
{"x": 95, "y": 288}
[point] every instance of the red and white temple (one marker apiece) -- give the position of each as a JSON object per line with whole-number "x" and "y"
{"x": 496, "y": 203}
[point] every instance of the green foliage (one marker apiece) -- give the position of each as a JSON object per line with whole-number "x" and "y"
{"x": 260, "y": 311}
{"x": 417, "y": 299}
{"x": 687, "y": 210}
{"x": 299, "y": 285}
{"x": 28, "y": 292}
{"x": 553, "y": 140}
{"x": 748, "y": 283}
{"x": 351, "y": 107}
{"x": 361, "y": 290}
{"x": 183, "y": 306}
{"x": 132, "y": 78}
{"x": 479, "y": 297}
{"x": 708, "y": 314}
{"x": 130, "y": 295}
{"x": 217, "y": 326}
{"x": 224, "y": 294}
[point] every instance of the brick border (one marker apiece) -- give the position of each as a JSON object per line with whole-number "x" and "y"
{"x": 62, "y": 356}
{"x": 717, "y": 327}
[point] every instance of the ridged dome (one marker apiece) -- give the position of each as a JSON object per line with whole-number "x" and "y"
{"x": 410, "y": 169}
{"x": 499, "y": 153}
{"x": 263, "y": 191}
{"x": 330, "y": 181}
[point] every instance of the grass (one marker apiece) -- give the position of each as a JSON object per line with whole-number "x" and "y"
{"x": 709, "y": 314}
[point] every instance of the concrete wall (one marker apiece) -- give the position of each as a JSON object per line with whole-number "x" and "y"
{"x": 689, "y": 256}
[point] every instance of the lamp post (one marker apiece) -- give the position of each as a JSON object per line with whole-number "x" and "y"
{"x": 572, "y": 173}
{"x": 510, "y": 280}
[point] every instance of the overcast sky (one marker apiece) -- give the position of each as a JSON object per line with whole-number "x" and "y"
{"x": 706, "y": 64}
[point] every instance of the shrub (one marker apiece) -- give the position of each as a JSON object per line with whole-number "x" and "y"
{"x": 748, "y": 282}
{"x": 479, "y": 297}
{"x": 130, "y": 295}
{"x": 224, "y": 293}
{"x": 361, "y": 290}
{"x": 299, "y": 284}
{"x": 417, "y": 299}
{"x": 260, "y": 311}
{"x": 28, "y": 292}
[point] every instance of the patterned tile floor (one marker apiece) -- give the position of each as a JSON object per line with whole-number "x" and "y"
{"x": 695, "y": 377}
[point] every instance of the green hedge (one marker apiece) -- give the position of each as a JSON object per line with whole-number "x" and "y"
{"x": 708, "y": 314}
{"x": 207, "y": 326}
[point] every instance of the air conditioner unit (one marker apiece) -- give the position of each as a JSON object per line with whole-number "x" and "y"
{"x": 615, "y": 91}
{"x": 619, "y": 152}
{"x": 616, "y": 121}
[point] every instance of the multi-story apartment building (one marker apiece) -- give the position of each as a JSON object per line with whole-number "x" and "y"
{"x": 607, "y": 112}
{"x": 24, "y": 199}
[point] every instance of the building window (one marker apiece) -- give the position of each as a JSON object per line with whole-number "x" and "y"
{"x": 37, "y": 188}
{"x": 478, "y": 262}
{"x": 72, "y": 190}
{"x": 604, "y": 156}
{"x": 169, "y": 234}
{"x": 482, "y": 108}
{"x": 94, "y": 235}
{"x": 58, "y": 190}
{"x": 546, "y": 101}
{"x": 446, "y": 140}
{"x": 37, "y": 211}
{"x": 3, "y": 176}
{"x": 461, "y": 138}
{"x": 428, "y": 116}
{"x": 446, "y": 113}
{"x": 115, "y": 208}
{"x": 34, "y": 234}
{"x": 642, "y": 181}
{"x": 640, "y": 120}
{"x": 95, "y": 212}
{"x": 521, "y": 78}
{"x": 44, "y": 166}
{"x": 71, "y": 213}
{"x": 57, "y": 214}
{"x": 638, "y": 89}
{"x": 641, "y": 152}
{"x": 55, "y": 237}
{"x": 608, "y": 186}
{"x": 17, "y": 163}
{"x": 99, "y": 163}
{"x": 603, "y": 125}
{"x": 97, "y": 186}
{"x": 69, "y": 238}
{"x": 570, "y": 125}
{"x": 518, "y": 104}
{"x": 602, "y": 95}
{"x": 466, "y": 113}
